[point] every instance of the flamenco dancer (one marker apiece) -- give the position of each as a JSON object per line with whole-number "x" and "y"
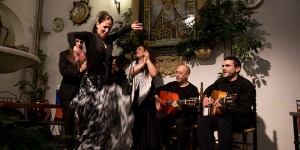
{"x": 104, "y": 113}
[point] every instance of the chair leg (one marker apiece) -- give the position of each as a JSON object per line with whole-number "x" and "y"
{"x": 245, "y": 146}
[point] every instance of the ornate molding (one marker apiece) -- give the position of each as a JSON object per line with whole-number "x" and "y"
{"x": 167, "y": 65}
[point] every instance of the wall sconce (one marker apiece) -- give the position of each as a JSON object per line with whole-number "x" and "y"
{"x": 117, "y": 6}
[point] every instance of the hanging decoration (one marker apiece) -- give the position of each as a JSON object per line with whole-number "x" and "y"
{"x": 80, "y": 12}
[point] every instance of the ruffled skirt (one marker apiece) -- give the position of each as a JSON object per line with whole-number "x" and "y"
{"x": 105, "y": 116}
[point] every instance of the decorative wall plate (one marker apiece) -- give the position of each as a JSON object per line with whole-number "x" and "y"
{"x": 252, "y": 3}
{"x": 57, "y": 24}
{"x": 80, "y": 12}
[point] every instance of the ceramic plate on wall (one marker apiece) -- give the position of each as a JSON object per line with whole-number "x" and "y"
{"x": 57, "y": 24}
{"x": 252, "y": 3}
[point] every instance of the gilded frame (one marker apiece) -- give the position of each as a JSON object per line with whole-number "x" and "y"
{"x": 164, "y": 19}
{"x": 80, "y": 12}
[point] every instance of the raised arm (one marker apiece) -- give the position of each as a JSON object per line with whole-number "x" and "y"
{"x": 87, "y": 37}
{"x": 135, "y": 26}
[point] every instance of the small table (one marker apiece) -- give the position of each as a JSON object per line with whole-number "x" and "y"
{"x": 295, "y": 116}
{"x": 33, "y": 106}
{"x": 27, "y": 105}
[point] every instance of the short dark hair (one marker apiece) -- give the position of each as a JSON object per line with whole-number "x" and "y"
{"x": 236, "y": 61}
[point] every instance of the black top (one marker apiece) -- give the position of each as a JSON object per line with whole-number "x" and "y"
{"x": 190, "y": 91}
{"x": 98, "y": 57}
{"x": 246, "y": 97}
{"x": 71, "y": 77}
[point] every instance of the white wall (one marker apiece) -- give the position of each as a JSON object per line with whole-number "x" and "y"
{"x": 275, "y": 99}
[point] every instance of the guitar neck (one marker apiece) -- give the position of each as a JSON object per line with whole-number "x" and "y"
{"x": 193, "y": 101}
{"x": 227, "y": 100}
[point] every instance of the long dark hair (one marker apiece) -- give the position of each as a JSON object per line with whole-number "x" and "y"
{"x": 71, "y": 58}
{"x": 147, "y": 48}
{"x": 102, "y": 16}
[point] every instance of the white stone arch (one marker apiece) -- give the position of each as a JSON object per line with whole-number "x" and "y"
{"x": 14, "y": 25}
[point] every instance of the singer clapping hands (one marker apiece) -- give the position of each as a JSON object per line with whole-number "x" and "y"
{"x": 143, "y": 59}
{"x": 80, "y": 57}
{"x": 142, "y": 71}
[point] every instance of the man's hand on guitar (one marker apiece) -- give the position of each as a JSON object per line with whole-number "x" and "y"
{"x": 206, "y": 101}
{"x": 176, "y": 106}
{"x": 157, "y": 103}
{"x": 217, "y": 103}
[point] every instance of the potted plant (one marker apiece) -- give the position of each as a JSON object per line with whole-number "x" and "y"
{"x": 17, "y": 135}
{"x": 36, "y": 89}
{"x": 201, "y": 34}
{"x": 224, "y": 22}
{"x": 238, "y": 29}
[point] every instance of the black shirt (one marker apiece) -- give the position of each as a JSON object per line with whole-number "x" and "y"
{"x": 189, "y": 91}
{"x": 246, "y": 96}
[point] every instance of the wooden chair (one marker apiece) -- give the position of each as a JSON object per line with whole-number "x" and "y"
{"x": 240, "y": 138}
{"x": 192, "y": 137}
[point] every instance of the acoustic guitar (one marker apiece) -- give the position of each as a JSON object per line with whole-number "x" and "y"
{"x": 167, "y": 98}
{"x": 224, "y": 99}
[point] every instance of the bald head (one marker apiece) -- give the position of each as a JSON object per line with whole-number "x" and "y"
{"x": 182, "y": 74}
{"x": 184, "y": 68}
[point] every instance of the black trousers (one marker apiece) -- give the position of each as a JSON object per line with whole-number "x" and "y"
{"x": 68, "y": 117}
{"x": 205, "y": 129}
{"x": 183, "y": 124}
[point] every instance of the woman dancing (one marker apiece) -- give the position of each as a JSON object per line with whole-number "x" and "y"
{"x": 103, "y": 111}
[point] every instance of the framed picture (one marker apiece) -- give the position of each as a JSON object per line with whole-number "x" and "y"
{"x": 165, "y": 19}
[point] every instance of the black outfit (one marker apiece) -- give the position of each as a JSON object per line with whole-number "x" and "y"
{"x": 183, "y": 119}
{"x": 145, "y": 129}
{"x": 120, "y": 78}
{"x": 235, "y": 117}
{"x": 69, "y": 87}
{"x": 103, "y": 110}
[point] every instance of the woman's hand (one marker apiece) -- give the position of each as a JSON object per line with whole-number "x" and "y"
{"x": 136, "y": 25}
{"x": 146, "y": 57}
{"x": 83, "y": 67}
{"x": 79, "y": 54}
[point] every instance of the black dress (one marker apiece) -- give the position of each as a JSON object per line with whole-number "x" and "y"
{"x": 104, "y": 112}
{"x": 145, "y": 130}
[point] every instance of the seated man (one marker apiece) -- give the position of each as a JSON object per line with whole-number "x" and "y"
{"x": 231, "y": 117}
{"x": 183, "y": 116}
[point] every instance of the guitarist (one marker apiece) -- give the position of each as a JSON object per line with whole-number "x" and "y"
{"x": 235, "y": 117}
{"x": 184, "y": 115}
